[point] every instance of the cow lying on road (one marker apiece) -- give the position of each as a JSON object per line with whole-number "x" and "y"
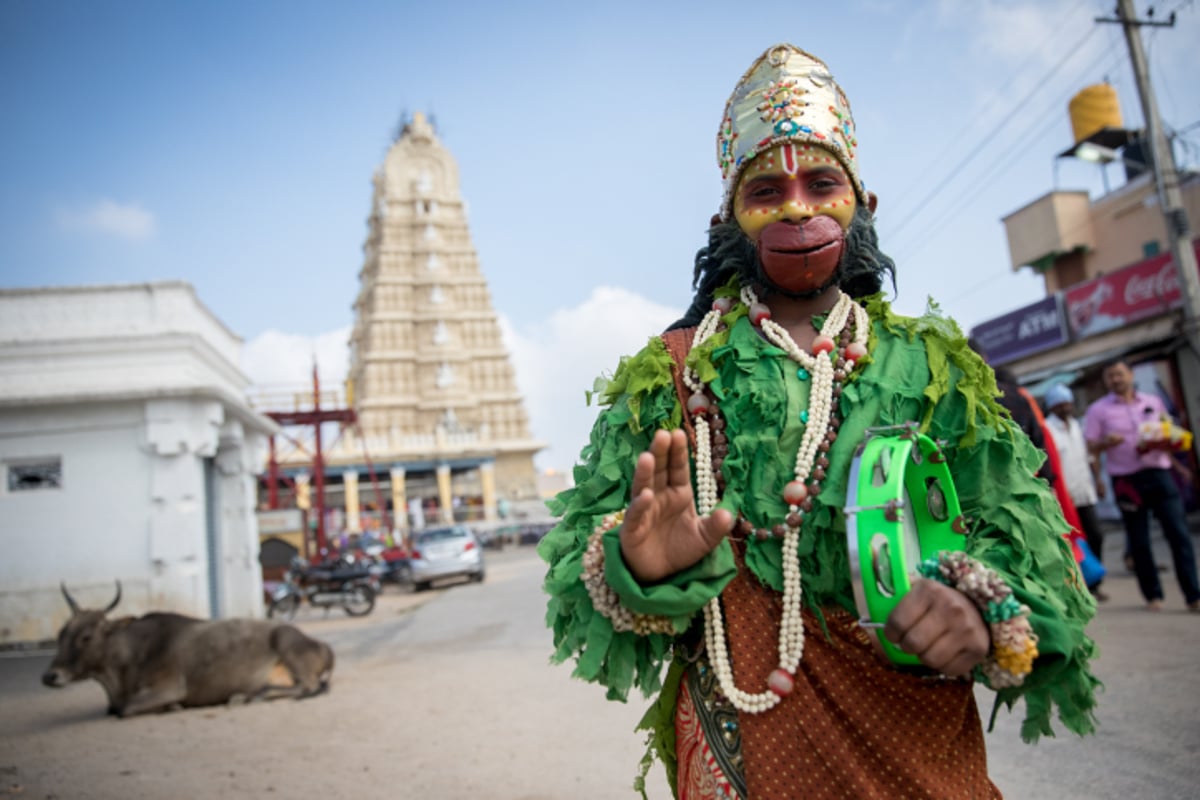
{"x": 159, "y": 661}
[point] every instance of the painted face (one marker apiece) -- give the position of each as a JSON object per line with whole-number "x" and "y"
{"x": 795, "y": 202}
{"x": 792, "y": 182}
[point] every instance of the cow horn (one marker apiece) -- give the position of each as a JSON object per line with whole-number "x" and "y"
{"x": 70, "y": 600}
{"x": 116, "y": 599}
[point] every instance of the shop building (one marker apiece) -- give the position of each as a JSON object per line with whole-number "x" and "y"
{"x": 129, "y": 453}
{"x": 1112, "y": 288}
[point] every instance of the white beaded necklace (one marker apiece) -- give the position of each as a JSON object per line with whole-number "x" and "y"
{"x": 819, "y": 364}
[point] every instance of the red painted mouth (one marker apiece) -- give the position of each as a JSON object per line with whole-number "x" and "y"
{"x": 801, "y": 257}
{"x": 787, "y": 237}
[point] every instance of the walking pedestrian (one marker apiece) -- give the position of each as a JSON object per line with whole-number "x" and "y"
{"x": 1142, "y": 481}
{"x": 1080, "y": 471}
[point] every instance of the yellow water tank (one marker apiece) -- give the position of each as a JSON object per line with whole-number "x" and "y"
{"x": 1095, "y": 107}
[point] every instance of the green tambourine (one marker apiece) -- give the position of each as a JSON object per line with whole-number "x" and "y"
{"x": 901, "y": 508}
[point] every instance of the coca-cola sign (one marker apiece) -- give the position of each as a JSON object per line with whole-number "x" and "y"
{"x": 1137, "y": 292}
{"x": 1162, "y": 284}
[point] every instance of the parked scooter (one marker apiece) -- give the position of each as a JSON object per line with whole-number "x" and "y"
{"x": 342, "y": 582}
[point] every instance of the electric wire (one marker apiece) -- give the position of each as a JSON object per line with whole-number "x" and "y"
{"x": 957, "y": 169}
{"x": 960, "y": 136}
{"x": 973, "y": 191}
{"x": 1044, "y": 120}
{"x": 989, "y": 174}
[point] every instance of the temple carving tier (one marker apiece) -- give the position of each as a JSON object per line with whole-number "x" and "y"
{"x": 431, "y": 382}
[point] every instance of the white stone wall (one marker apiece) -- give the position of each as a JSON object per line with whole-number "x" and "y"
{"x": 113, "y": 341}
{"x": 87, "y": 533}
{"x": 136, "y": 393}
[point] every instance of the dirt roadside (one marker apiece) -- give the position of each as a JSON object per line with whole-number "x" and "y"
{"x": 442, "y": 694}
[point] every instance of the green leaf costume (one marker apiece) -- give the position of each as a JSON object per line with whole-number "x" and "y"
{"x": 918, "y": 369}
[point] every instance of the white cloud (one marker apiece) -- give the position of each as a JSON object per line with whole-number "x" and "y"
{"x": 558, "y": 359}
{"x": 1016, "y": 46}
{"x": 277, "y": 361}
{"x": 1012, "y": 30}
{"x": 110, "y": 218}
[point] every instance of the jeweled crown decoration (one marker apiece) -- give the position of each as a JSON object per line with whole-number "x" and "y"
{"x": 786, "y": 95}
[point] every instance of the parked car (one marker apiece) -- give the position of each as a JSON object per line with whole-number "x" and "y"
{"x": 445, "y": 553}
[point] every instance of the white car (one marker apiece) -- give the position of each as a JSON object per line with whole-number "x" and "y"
{"x": 445, "y": 553}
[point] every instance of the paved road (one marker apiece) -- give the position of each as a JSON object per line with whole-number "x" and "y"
{"x": 449, "y": 695}
{"x": 1148, "y": 743}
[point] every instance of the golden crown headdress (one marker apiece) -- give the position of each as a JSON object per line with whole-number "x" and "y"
{"x": 787, "y": 95}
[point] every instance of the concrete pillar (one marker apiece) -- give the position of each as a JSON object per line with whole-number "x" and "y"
{"x": 350, "y": 485}
{"x": 399, "y": 499}
{"x": 445, "y": 497}
{"x": 487, "y": 480}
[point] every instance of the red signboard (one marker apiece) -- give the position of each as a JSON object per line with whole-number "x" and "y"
{"x": 1145, "y": 289}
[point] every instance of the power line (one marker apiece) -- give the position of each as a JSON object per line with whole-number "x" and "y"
{"x": 972, "y": 289}
{"x": 974, "y": 191}
{"x": 1007, "y": 118}
{"x": 961, "y": 134}
{"x": 1044, "y": 118}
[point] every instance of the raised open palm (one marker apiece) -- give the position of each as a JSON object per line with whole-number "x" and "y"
{"x": 663, "y": 533}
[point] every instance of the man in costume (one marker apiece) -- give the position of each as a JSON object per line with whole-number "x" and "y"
{"x": 706, "y": 531}
{"x": 1142, "y": 482}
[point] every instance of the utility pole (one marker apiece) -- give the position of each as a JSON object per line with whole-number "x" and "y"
{"x": 1166, "y": 179}
{"x": 315, "y": 418}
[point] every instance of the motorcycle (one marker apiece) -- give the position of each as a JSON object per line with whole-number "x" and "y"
{"x": 341, "y": 582}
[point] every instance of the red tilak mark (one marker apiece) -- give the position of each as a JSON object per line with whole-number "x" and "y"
{"x": 789, "y": 159}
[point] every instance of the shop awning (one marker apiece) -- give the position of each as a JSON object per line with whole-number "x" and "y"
{"x": 1140, "y": 341}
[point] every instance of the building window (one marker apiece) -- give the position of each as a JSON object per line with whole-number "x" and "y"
{"x": 28, "y": 476}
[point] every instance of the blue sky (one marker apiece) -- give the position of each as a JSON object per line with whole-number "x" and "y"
{"x": 231, "y": 144}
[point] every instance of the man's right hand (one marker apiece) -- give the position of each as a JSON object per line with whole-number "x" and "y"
{"x": 662, "y": 532}
{"x": 1112, "y": 440}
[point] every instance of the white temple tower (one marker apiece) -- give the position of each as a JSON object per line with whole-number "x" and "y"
{"x": 432, "y": 384}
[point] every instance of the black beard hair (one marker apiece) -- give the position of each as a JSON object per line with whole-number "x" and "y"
{"x": 859, "y": 273}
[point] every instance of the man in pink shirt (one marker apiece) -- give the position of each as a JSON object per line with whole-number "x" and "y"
{"x": 1142, "y": 482}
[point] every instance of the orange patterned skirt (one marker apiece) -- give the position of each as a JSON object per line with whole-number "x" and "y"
{"x": 854, "y": 726}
